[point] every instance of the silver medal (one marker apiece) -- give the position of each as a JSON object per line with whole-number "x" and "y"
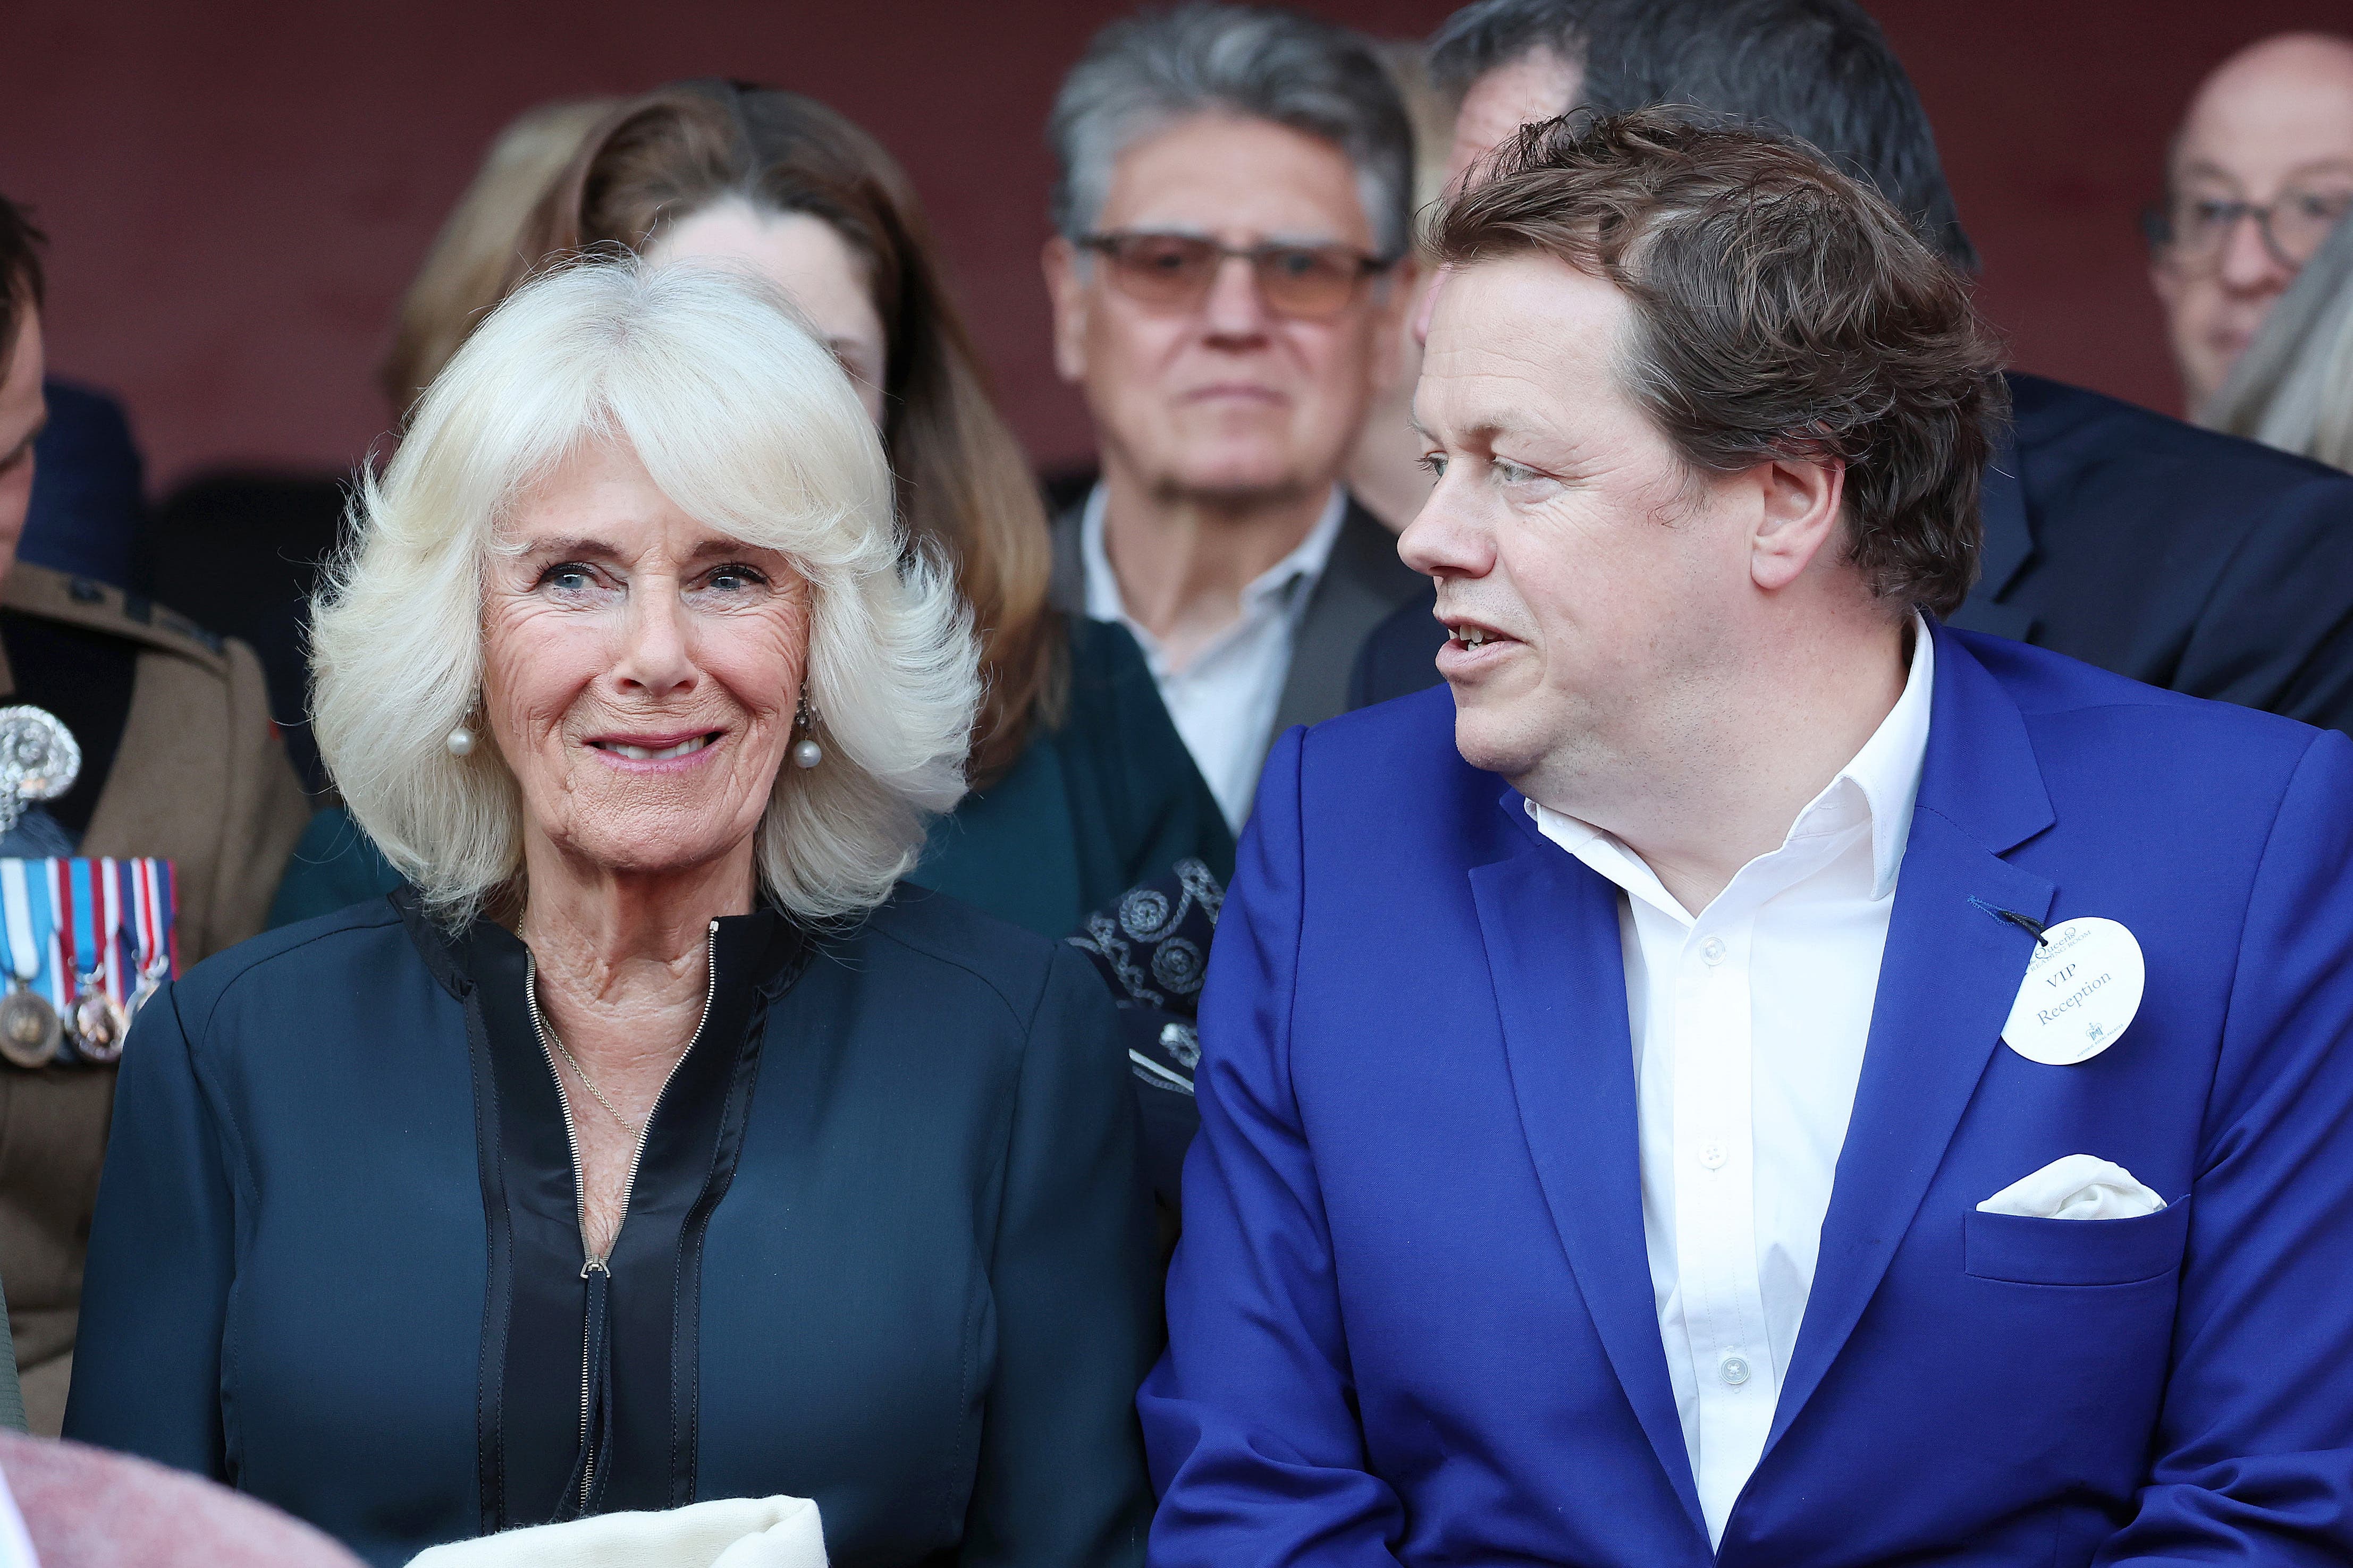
{"x": 39, "y": 759}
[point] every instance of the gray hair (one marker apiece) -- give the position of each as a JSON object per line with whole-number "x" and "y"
{"x": 1143, "y": 72}
{"x": 2293, "y": 388}
{"x": 742, "y": 419}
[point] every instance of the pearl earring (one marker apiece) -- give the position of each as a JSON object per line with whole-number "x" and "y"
{"x": 807, "y": 752}
{"x": 461, "y": 741}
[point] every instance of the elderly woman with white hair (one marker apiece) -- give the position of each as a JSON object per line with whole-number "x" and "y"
{"x": 654, "y": 1145}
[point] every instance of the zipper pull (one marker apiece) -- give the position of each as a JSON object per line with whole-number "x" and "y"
{"x": 598, "y": 1265}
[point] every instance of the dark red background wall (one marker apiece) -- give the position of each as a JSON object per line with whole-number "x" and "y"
{"x": 237, "y": 191}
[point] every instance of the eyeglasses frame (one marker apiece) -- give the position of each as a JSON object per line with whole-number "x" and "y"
{"x": 2158, "y": 228}
{"x": 1105, "y": 242}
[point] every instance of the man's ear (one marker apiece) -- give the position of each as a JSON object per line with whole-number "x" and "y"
{"x": 1800, "y": 504}
{"x": 1068, "y": 292}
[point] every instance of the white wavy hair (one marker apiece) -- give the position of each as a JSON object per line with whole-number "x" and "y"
{"x": 745, "y": 421}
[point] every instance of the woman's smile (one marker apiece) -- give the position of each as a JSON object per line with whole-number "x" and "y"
{"x": 674, "y": 752}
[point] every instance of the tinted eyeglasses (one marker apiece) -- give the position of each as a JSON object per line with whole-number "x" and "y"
{"x": 2196, "y": 229}
{"x": 1174, "y": 272}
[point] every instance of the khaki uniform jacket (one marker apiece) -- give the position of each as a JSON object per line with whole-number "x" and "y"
{"x": 200, "y": 778}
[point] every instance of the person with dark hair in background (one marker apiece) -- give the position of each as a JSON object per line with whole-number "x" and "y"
{"x": 1080, "y": 788}
{"x": 1867, "y": 1093}
{"x": 2131, "y": 540}
{"x": 1231, "y": 203}
{"x": 178, "y": 761}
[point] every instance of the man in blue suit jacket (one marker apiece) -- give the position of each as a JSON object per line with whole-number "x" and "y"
{"x": 1619, "y": 1145}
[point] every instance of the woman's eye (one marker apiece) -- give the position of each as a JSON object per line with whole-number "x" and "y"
{"x": 568, "y": 577}
{"x": 735, "y": 579}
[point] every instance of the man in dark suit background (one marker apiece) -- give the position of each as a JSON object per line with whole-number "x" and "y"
{"x": 2131, "y": 540}
{"x": 1233, "y": 198}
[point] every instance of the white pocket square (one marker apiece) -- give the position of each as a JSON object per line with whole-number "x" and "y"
{"x": 2079, "y": 1186}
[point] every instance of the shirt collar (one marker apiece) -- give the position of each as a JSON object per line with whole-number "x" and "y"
{"x": 1884, "y": 774}
{"x": 1295, "y": 574}
{"x": 1888, "y": 767}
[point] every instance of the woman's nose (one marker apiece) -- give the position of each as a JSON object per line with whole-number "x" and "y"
{"x": 654, "y": 658}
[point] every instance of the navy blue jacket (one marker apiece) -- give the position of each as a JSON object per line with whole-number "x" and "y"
{"x": 1411, "y": 1318}
{"x": 2200, "y": 562}
{"x": 887, "y": 1246}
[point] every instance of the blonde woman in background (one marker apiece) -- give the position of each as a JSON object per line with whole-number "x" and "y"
{"x": 2293, "y": 388}
{"x": 470, "y": 264}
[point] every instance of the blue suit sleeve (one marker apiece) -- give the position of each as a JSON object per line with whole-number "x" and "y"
{"x": 1249, "y": 1417}
{"x": 2253, "y": 1457}
{"x": 147, "y": 1361}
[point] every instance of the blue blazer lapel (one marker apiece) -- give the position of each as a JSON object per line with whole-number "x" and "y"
{"x": 1553, "y": 948}
{"x": 1949, "y": 972}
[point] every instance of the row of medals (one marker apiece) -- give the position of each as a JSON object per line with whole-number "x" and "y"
{"x": 33, "y": 1034}
{"x": 39, "y": 759}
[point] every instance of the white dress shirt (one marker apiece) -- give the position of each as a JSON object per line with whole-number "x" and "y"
{"x": 1748, "y": 1025}
{"x": 1223, "y": 699}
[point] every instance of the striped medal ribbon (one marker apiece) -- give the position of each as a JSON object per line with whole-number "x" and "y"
{"x": 30, "y": 1033}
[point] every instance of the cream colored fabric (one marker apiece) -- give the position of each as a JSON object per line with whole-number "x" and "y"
{"x": 730, "y": 1532}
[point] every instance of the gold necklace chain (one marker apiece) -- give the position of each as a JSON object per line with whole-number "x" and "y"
{"x": 574, "y": 1063}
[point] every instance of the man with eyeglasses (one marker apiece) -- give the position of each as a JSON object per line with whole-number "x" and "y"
{"x": 2178, "y": 556}
{"x": 1232, "y": 207}
{"x": 2263, "y": 169}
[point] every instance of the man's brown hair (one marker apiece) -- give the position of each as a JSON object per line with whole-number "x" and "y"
{"x": 1780, "y": 311}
